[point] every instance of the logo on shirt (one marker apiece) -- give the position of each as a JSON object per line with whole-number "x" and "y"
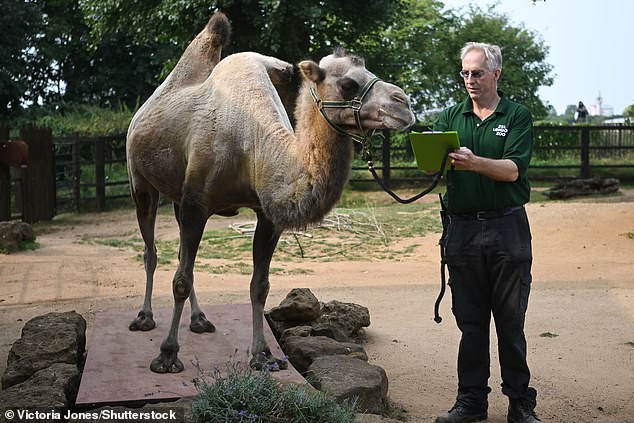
{"x": 501, "y": 130}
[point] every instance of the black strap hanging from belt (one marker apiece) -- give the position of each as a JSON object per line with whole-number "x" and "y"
{"x": 444, "y": 217}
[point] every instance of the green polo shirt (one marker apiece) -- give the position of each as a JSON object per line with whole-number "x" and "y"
{"x": 506, "y": 134}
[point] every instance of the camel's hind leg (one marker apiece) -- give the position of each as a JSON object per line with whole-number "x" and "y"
{"x": 146, "y": 201}
{"x": 264, "y": 243}
{"x": 193, "y": 220}
{"x": 198, "y": 321}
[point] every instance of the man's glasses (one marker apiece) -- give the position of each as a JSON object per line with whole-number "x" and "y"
{"x": 473, "y": 74}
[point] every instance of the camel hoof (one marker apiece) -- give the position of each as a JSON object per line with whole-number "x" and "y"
{"x": 167, "y": 363}
{"x": 200, "y": 324}
{"x": 144, "y": 321}
{"x": 267, "y": 361}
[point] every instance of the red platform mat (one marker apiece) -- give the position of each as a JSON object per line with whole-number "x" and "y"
{"x": 117, "y": 369}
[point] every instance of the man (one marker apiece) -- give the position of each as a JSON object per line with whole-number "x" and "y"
{"x": 488, "y": 240}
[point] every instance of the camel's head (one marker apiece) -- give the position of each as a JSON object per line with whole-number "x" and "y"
{"x": 344, "y": 78}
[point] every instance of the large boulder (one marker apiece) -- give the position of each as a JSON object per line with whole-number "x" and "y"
{"x": 46, "y": 340}
{"x": 13, "y": 233}
{"x": 52, "y": 389}
{"x": 340, "y": 321}
{"x": 303, "y": 351}
{"x": 349, "y": 378}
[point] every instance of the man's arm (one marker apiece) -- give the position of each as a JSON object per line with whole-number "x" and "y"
{"x": 502, "y": 170}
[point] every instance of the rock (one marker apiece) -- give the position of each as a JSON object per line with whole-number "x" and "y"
{"x": 300, "y": 305}
{"x": 346, "y": 318}
{"x": 332, "y": 331}
{"x": 303, "y": 351}
{"x": 13, "y": 233}
{"x": 51, "y": 389}
{"x": 48, "y": 339}
{"x": 349, "y": 378}
{"x": 373, "y": 418}
{"x": 181, "y": 412}
{"x": 302, "y": 331}
{"x": 581, "y": 187}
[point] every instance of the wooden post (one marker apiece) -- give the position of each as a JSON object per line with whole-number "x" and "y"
{"x": 76, "y": 154}
{"x": 585, "y": 152}
{"x": 5, "y": 181}
{"x": 38, "y": 178}
{"x": 5, "y": 193}
{"x": 100, "y": 174}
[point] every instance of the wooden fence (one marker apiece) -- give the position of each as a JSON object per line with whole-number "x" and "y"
{"x": 561, "y": 152}
{"x": 73, "y": 174}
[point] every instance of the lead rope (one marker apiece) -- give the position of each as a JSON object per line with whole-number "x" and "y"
{"x": 355, "y": 104}
{"x": 367, "y": 156}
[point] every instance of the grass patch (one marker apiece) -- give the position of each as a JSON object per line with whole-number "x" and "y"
{"x": 628, "y": 235}
{"x": 631, "y": 344}
{"x": 368, "y": 233}
{"x": 548, "y": 335}
{"x": 22, "y": 246}
{"x": 245, "y": 396}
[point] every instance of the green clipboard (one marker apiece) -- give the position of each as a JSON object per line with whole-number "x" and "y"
{"x": 430, "y": 147}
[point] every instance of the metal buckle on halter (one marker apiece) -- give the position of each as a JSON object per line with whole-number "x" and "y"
{"x": 356, "y": 104}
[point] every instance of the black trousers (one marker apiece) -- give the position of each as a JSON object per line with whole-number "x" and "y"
{"x": 489, "y": 262}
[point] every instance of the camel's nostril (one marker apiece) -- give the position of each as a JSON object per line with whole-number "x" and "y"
{"x": 400, "y": 97}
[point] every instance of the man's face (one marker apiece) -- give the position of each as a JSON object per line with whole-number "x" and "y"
{"x": 483, "y": 87}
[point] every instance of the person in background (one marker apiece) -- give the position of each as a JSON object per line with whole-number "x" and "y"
{"x": 582, "y": 112}
{"x": 488, "y": 240}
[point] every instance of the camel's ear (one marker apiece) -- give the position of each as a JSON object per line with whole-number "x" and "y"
{"x": 311, "y": 71}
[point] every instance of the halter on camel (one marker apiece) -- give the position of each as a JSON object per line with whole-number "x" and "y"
{"x": 355, "y": 104}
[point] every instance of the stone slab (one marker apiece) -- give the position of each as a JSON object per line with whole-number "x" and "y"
{"x": 117, "y": 369}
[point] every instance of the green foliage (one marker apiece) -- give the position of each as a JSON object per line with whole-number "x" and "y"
{"x": 22, "y": 246}
{"x": 114, "y": 52}
{"x": 19, "y": 23}
{"x": 286, "y": 29}
{"x": 246, "y": 396}
{"x": 84, "y": 120}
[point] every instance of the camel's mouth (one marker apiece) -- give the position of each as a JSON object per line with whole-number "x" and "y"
{"x": 393, "y": 120}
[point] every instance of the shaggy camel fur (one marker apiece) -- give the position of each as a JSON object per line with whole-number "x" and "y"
{"x": 213, "y": 141}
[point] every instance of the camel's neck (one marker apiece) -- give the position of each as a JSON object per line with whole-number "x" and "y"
{"x": 316, "y": 169}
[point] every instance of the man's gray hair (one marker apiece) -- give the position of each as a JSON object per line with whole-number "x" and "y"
{"x": 492, "y": 53}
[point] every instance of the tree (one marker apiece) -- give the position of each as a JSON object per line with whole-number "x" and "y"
{"x": 629, "y": 111}
{"x": 286, "y": 29}
{"x": 20, "y": 22}
{"x": 426, "y": 45}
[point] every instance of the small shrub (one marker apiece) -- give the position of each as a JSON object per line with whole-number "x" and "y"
{"x": 246, "y": 396}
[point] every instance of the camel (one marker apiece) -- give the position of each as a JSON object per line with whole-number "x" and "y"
{"x": 215, "y": 137}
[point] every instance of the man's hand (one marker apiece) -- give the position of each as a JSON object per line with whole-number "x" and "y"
{"x": 503, "y": 170}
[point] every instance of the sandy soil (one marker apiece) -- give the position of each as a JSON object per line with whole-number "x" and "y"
{"x": 583, "y": 291}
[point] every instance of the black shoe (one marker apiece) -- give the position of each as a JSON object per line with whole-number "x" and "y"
{"x": 460, "y": 414}
{"x": 523, "y": 410}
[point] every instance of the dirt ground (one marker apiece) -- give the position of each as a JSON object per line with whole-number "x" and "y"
{"x": 583, "y": 295}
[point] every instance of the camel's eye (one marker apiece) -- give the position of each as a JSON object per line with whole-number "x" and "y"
{"x": 348, "y": 88}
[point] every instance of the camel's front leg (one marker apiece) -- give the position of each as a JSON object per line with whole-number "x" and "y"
{"x": 264, "y": 243}
{"x": 192, "y": 225}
